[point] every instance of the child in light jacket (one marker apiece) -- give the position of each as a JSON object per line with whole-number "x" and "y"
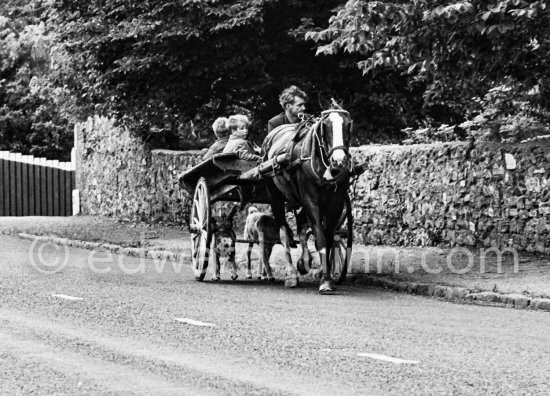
{"x": 237, "y": 143}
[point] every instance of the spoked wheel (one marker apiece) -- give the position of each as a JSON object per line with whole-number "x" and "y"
{"x": 340, "y": 253}
{"x": 199, "y": 226}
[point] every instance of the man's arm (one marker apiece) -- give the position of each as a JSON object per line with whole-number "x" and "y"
{"x": 276, "y": 121}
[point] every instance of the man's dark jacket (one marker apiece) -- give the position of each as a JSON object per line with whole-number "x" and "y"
{"x": 277, "y": 121}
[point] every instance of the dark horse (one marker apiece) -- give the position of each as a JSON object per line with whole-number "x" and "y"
{"x": 316, "y": 179}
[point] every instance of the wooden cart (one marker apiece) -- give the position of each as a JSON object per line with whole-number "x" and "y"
{"x": 225, "y": 177}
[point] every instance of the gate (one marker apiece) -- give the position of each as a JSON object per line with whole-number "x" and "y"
{"x": 32, "y": 186}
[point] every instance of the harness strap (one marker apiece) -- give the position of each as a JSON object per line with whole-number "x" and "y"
{"x": 337, "y": 148}
{"x": 300, "y": 138}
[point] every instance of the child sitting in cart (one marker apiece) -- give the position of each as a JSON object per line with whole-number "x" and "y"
{"x": 221, "y": 131}
{"x": 237, "y": 143}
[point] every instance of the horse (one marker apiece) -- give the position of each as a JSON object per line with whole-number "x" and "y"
{"x": 316, "y": 179}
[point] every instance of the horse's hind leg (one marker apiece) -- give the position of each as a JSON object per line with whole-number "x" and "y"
{"x": 291, "y": 279}
{"x": 278, "y": 207}
{"x": 305, "y": 260}
{"x": 265, "y": 252}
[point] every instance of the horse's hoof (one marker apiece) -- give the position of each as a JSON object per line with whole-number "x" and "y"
{"x": 271, "y": 279}
{"x": 291, "y": 281}
{"x": 216, "y": 278}
{"x": 234, "y": 277}
{"x": 249, "y": 277}
{"x": 301, "y": 267}
{"x": 327, "y": 287}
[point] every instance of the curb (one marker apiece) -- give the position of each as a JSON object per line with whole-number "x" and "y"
{"x": 107, "y": 247}
{"x": 512, "y": 300}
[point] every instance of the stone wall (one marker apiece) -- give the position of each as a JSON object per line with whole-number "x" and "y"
{"x": 454, "y": 194}
{"x": 117, "y": 176}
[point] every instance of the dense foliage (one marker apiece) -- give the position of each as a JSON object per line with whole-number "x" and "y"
{"x": 31, "y": 118}
{"x": 168, "y": 68}
{"x": 481, "y": 60}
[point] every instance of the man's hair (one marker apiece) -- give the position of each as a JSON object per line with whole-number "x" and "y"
{"x": 220, "y": 127}
{"x": 288, "y": 95}
{"x": 236, "y": 120}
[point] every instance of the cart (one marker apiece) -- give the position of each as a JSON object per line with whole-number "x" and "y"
{"x": 225, "y": 177}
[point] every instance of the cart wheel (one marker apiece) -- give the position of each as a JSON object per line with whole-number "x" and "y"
{"x": 200, "y": 228}
{"x": 340, "y": 253}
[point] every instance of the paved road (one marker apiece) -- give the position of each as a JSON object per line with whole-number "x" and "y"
{"x": 121, "y": 335}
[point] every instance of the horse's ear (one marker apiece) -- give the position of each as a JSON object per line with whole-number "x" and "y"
{"x": 334, "y": 104}
{"x": 324, "y": 102}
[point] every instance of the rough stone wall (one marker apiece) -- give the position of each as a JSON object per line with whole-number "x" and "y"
{"x": 169, "y": 201}
{"x": 455, "y": 194}
{"x": 117, "y": 176}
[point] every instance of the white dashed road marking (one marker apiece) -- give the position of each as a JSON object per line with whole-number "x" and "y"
{"x": 387, "y": 358}
{"x": 195, "y": 322}
{"x": 66, "y": 297}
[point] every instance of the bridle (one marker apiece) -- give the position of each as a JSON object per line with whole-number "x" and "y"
{"x": 323, "y": 146}
{"x": 336, "y": 174}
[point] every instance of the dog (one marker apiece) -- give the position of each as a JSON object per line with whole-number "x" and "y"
{"x": 223, "y": 244}
{"x": 260, "y": 228}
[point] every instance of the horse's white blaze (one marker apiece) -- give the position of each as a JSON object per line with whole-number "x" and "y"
{"x": 337, "y": 137}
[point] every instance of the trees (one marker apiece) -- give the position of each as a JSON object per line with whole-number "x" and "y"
{"x": 30, "y": 120}
{"x": 168, "y": 68}
{"x": 460, "y": 50}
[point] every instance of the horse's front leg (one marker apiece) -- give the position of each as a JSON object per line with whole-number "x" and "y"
{"x": 326, "y": 285}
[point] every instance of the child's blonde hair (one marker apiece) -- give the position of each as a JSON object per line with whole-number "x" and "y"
{"x": 220, "y": 127}
{"x": 236, "y": 120}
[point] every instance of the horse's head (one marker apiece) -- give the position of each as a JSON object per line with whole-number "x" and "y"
{"x": 335, "y": 134}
